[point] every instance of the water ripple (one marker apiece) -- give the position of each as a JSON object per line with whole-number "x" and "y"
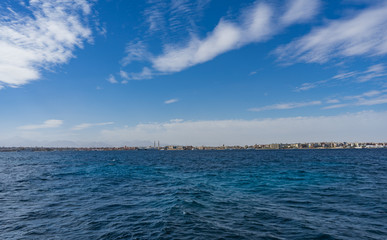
{"x": 322, "y": 194}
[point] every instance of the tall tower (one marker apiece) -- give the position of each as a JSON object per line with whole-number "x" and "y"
{"x": 158, "y": 144}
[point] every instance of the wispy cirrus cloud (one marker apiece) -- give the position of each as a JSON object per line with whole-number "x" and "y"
{"x": 369, "y": 98}
{"x": 345, "y": 75}
{"x": 225, "y": 37}
{"x": 373, "y": 101}
{"x": 155, "y": 15}
{"x": 52, "y": 123}
{"x": 372, "y": 73}
{"x": 257, "y": 24}
{"x": 45, "y": 37}
{"x": 169, "y": 101}
{"x": 89, "y": 125}
{"x": 311, "y": 85}
{"x": 146, "y": 73}
{"x": 135, "y": 51}
{"x": 371, "y": 93}
{"x": 283, "y": 106}
{"x": 332, "y": 101}
{"x": 171, "y": 16}
{"x": 363, "y": 34}
{"x": 300, "y": 11}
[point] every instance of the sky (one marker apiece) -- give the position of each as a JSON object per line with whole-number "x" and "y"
{"x": 205, "y": 72}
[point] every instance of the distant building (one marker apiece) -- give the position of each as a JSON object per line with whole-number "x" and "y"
{"x": 274, "y": 146}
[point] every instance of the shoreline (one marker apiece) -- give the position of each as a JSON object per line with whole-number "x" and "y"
{"x": 91, "y": 149}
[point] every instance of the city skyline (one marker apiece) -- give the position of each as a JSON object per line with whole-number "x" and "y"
{"x": 192, "y": 72}
{"x": 272, "y": 146}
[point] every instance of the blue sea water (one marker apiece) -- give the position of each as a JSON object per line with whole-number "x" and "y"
{"x": 274, "y": 194}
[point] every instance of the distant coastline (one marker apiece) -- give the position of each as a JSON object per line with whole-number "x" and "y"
{"x": 273, "y": 146}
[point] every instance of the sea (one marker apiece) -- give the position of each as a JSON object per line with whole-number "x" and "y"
{"x": 236, "y": 194}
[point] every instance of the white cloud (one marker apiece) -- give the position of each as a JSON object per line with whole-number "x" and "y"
{"x": 376, "y": 68}
{"x": 336, "y": 106}
{"x": 173, "y": 100}
{"x": 345, "y": 75}
{"x": 373, "y": 73}
{"x": 369, "y": 98}
{"x": 89, "y": 125}
{"x": 372, "y": 101}
{"x": 300, "y": 11}
{"x": 45, "y": 37}
{"x": 307, "y": 86}
{"x": 371, "y": 93}
{"x": 256, "y": 24}
{"x": 52, "y": 123}
{"x": 362, "y": 126}
{"x": 283, "y": 106}
{"x": 154, "y": 16}
{"x": 361, "y": 35}
{"x": 171, "y": 17}
{"x": 225, "y": 37}
{"x": 176, "y": 120}
{"x": 112, "y": 79}
{"x": 146, "y": 73}
{"x": 136, "y": 51}
{"x": 333, "y": 101}
{"x": 124, "y": 74}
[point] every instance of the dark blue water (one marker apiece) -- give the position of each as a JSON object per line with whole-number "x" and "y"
{"x": 296, "y": 194}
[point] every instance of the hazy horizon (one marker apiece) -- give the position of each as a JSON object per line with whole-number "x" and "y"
{"x": 345, "y": 128}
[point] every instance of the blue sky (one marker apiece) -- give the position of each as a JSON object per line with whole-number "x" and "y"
{"x": 84, "y": 73}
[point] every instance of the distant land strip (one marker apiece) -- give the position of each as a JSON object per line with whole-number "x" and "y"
{"x": 273, "y": 146}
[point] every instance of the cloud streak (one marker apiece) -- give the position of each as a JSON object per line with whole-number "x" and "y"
{"x": 89, "y": 125}
{"x": 52, "y": 123}
{"x": 257, "y": 23}
{"x": 136, "y": 51}
{"x": 299, "y": 11}
{"x": 44, "y": 38}
{"x": 283, "y": 106}
{"x": 369, "y": 98}
{"x": 361, "y": 35}
{"x": 170, "y": 17}
{"x": 225, "y": 37}
{"x": 146, "y": 73}
{"x": 373, "y": 73}
{"x": 173, "y": 100}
